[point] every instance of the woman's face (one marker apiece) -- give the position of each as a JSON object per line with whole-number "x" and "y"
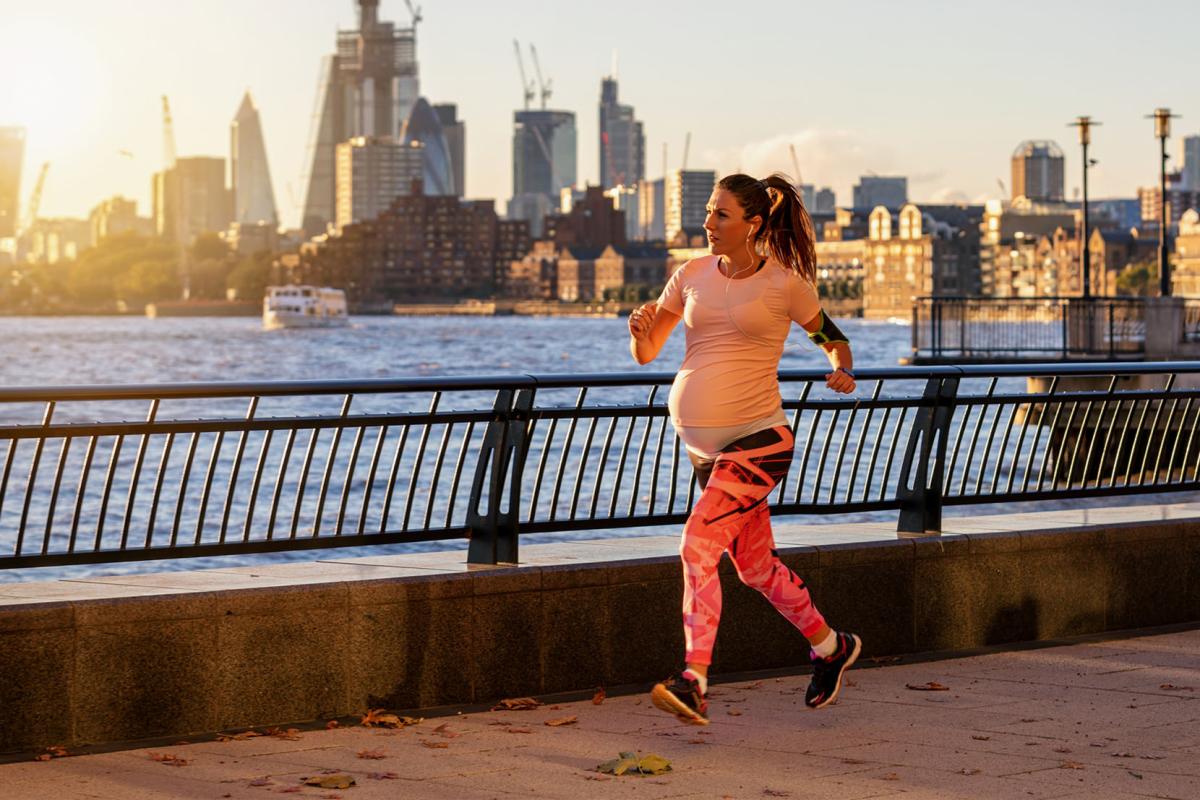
{"x": 729, "y": 232}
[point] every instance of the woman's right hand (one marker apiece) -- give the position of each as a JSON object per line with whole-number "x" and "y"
{"x": 641, "y": 320}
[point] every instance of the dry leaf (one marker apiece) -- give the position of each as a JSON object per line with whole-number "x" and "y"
{"x": 697, "y": 741}
{"x": 291, "y": 734}
{"x": 379, "y": 718}
{"x": 969, "y": 771}
{"x": 891, "y": 776}
{"x": 1070, "y": 765}
{"x": 599, "y": 696}
{"x": 981, "y": 738}
{"x": 443, "y": 730}
{"x": 435, "y": 745}
{"x": 43, "y": 757}
{"x": 776, "y": 793}
{"x": 333, "y": 723}
{"x": 733, "y": 712}
{"x": 931, "y": 686}
{"x": 169, "y": 759}
{"x": 53, "y": 751}
{"x": 1062, "y": 749}
{"x": 631, "y": 764}
{"x": 371, "y": 754}
{"x": 383, "y": 776}
{"x": 516, "y": 704}
{"x": 335, "y": 781}
{"x": 517, "y": 730}
{"x": 558, "y": 723}
{"x": 237, "y": 737}
{"x": 1173, "y": 688}
{"x": 1134, "y": 774}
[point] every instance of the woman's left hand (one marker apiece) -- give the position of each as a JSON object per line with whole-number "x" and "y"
{"x": 840, "y": 381}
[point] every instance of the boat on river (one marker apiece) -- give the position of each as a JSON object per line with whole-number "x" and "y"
{"x": 304, "y": 307}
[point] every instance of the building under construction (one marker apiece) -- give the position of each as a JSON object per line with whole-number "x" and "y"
{"x": 368, "y": 88}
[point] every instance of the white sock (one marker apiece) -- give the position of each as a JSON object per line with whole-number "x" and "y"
{"x": 827, "y": 646}
{"x": 700, "y": 679}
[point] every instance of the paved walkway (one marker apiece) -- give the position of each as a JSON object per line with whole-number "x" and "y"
{"x": 1113, "y": 719}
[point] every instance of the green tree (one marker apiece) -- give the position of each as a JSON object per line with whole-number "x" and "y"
{"x": 250, "y": 277}
{"x": 149, "y": 281}
{"x": 1139, "y": 279}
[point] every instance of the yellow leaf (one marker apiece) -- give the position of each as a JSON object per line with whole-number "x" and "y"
{"x": 516, "y": 704}
{"x": 338, "y": 781}
{"x": 555, "y": 723}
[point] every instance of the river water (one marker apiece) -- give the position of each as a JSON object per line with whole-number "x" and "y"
{"x": 129, "y": 350}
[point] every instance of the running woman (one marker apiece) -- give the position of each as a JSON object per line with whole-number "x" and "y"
{"x": 737, "y": 306}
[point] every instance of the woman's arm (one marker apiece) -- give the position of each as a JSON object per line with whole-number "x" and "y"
{"x": 837, "y": 349}
{"x": 649, "y": 327}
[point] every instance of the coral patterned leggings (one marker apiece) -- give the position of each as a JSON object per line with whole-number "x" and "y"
{"x": 732, "y": 515}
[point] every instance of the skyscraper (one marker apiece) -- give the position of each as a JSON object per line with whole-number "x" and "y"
{"x": 543, "y": 163}
{"x": 1037, "y": 171}
{"x": 1191, "y": 162}
{"x": 368, "y": 88}
{"x": 687, "y": 193}
{"x": 622, "y": 142}
{"x": 198, "y": 185}
{"x": 250, "y": 177}
{"x": 874, "y": 190}
{"x": 423, "y": 127}
{"x": 12, "y": 153}
{"x": 456, "y": 138}
{"x": 371, "y": 173}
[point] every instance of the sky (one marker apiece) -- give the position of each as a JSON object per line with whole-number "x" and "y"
{"x": 939, "y": 90}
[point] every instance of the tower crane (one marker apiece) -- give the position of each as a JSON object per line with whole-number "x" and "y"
{"x": 526, "y": 85}
{"x": 544, "y": 86}
{"x": 795, "y": 163}
{"x": 35, "y": 199}
{"x": 415, "y": 13}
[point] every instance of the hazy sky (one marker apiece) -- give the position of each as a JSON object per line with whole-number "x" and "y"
{"x": 939, "y": 91}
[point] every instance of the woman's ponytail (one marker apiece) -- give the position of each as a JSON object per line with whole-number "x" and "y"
{"x": 787, "y": 229}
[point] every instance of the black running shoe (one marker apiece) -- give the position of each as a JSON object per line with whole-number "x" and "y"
{"x": 827, "y": 672}
{"x": 680, "y": 695}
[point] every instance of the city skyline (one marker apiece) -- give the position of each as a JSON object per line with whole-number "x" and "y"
{"x": 938, "y": 94}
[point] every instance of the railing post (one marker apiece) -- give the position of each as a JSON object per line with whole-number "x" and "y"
{"x": 494, "y": 529}
{"x": 920, "y": 489}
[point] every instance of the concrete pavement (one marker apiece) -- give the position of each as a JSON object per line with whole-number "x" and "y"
{"x": 1101, "y": 719}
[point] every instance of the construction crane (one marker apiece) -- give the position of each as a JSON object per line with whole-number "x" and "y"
{"x": 544, "y": 86}
{"x": 35, "y": 199}
{"x": 526, "y": 85}
{"x": 795, "y": 163}
{"x": 415, "y": 13}
{"x": 687, "y": 146}
{"x": 168, "y": 135}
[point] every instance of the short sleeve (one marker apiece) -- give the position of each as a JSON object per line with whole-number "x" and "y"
{"x": 672, "y": 294}
{"x": 803, "y": 302}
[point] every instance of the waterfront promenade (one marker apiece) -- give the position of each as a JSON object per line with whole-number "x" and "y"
{"x": 1104, "y": 719}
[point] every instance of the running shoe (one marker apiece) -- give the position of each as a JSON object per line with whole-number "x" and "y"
{"x": 827, "y": 672}
{"x": 680, "y": 695}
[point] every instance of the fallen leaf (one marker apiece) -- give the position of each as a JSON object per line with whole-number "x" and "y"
{"x": 383, "y": 776}
{"x": 378, "y": 718}
{"x": 631, "y": 764}
{"x": 697, "y": 741}
{"x": 238, "y": 737}
{"x": 335, "y": 781}
{"x": 516, "y": 704}
{"x": 776, "y": 793}
{"x": 53, "y": 751}
{"x": 599, "y": 696}
{"x": 435, "y": 745}
{"x": 1134, "y": 774}
{"x": 169, "y": 759}
{"x": 891, "y": 776}
{"x": 969, "y": 771}
{"x": 1122, "y": 755}
{"x": 931, "y": 686}
{"x": 1062, "y": 749}
{"x": 1170, "y": 687}
{"x": 733, "y": 712}
{"x": 43, "y": 757}
{"x": 1070, "y": 765}
{"x": 981, "y": 738}
{"x": 371, "y": 754}
{"x": 291, "y": 734}
{"x": 333, "y": 723}
{"x": 558, "y": 723}
{"x": 517, "y": 730}
{"x": 444, "y": 731}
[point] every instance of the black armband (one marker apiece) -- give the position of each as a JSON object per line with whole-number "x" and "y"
{"x": 828, "y": 333}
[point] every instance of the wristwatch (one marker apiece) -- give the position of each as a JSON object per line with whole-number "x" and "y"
{"x": 848, "y": 372}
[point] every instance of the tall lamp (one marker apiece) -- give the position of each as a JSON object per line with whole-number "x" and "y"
{"x": 1162, "y": 130}
{"x": 1084, "y": 124}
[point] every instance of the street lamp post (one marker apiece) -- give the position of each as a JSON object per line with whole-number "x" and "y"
{"x": 1162, "y": 130}
{"x": 1085, "y": 138}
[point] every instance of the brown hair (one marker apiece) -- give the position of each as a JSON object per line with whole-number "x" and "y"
{"x": 787, "y": 227}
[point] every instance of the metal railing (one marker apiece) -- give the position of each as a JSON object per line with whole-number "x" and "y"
{"x": 219, "y": 469}
{"x": 996, "y": 329}
{"x": 1191, "y": 320}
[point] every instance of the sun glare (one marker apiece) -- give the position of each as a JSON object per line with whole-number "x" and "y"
{"x": 58, "y": 83}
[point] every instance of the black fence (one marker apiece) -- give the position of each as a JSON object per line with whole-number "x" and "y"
{"x": 219, "y": 469}
{"x": 998, "y": 329}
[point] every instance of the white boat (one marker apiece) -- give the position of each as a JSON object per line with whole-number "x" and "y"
{"x": 304, "y": 307}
